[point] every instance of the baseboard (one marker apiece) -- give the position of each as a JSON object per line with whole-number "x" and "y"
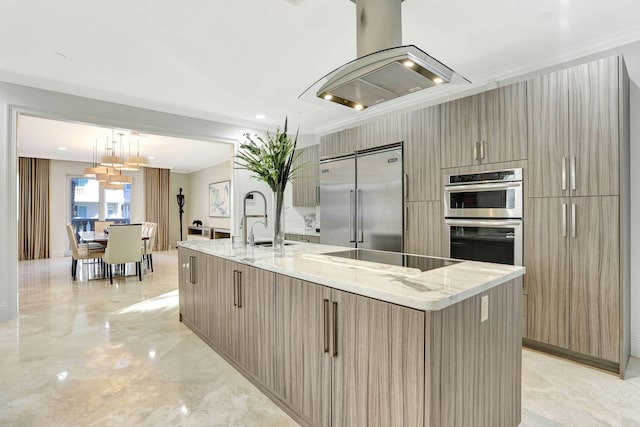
{"x": 635, "y": 345}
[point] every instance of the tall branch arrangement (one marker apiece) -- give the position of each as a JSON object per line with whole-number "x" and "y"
{"x": 270, "y": 160}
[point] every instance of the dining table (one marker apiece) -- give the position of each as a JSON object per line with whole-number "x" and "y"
{"x": 102, "y": 238}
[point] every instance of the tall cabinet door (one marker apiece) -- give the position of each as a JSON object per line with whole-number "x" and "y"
{"x": 303, "y": 361}
{"x": 378, "y": 363}
{"x": 222, "y": 326}
{"x": 306, "y": 188}
{"x": 422, "y": 155}
{"x": 595, "y": 277}
{"x": 506, "y": 128}
{"x": 185, "y": 289}
{"x": 256, "y": 339}
{"x": 548, "y": 99}
{"x": 424, "y": 225}
{"x": 463, "y": 125}
{"x": 201, "y": 290}
{"x": 547, "y": 280}
{"x": 594, "y": 128}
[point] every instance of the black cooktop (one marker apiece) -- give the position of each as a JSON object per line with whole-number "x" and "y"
{"x": 423, "y": 263}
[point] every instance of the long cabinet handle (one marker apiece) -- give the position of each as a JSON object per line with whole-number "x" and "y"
{"x": 317, "y": 194}
{"x": 235, "y": 288}
{"x": 192, "y": 270}
{"x": 482, "y": 150}
{"x": 475, "y": 151}
{"x": 573, "y": 220}
{"x": 406, "y": 218}
{"x": 335, "y": 329}
{"x": 352, "y": 234}
{"x": 326, "y": 325}
{"x": 239, "y": 289}
{"x": 360, "y": 225}
{"x": 573, "y": 172}
{"x": 564, "y": 220}
{"x": 405, "y": 188}
{"x": 564, "y": 174}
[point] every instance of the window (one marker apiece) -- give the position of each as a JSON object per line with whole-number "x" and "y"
{"x": 89, "y": 203}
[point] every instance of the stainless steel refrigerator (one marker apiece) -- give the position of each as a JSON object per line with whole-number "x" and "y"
{"x": 361, "y": 200}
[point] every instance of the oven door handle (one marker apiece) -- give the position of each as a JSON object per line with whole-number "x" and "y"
{"x": 480, "y": 223}
{"x": 489, "y": 186}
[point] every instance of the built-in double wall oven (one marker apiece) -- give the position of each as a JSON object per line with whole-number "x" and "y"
{"x": 483, "y": 215}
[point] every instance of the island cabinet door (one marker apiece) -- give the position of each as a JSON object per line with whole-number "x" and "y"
{"x": 185, "y": 288}
{"x": 303, "y": 361}
{"x": 222, "y": 325}
{"x": 377, "y": 362}
{"x": 200, "y": 289}
{"x": 253, "y": 344}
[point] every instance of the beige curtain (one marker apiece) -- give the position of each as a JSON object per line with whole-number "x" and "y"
{"x": 156, "y": 203}
{"x": 33, "y": 228}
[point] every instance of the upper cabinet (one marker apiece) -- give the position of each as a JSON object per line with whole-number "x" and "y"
{"x": 339, "y": 143}
{"x": 306, "y": 187}
{"x": 574, "y": 131}
{"x": 422, "y": 155}
{"x": 490, "y": 127}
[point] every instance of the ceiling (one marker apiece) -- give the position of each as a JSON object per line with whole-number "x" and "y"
{"x": 52, "y": 139}
{"x": 229, "y": 61}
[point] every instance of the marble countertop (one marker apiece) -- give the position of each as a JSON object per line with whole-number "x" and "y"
{"x": 430, "y": 290}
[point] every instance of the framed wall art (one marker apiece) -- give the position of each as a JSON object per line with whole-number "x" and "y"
{"x": 220, "y": 199}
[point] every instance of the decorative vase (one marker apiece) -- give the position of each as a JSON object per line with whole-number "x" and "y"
{"x": 278, "y": 222}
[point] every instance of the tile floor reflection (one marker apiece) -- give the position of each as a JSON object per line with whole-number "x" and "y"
{"x": 90, "y": 354}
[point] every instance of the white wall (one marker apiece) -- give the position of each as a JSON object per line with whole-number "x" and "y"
{"x": 59, "y": 198}
{"x": 634, "y": 95}
{"x": 198, "y": 198}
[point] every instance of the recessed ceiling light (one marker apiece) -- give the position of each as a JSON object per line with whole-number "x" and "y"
{"x": 328, "y": 97}
{"x": 407, "y": 63}
{"x": 260, "y": 116}
{"x": 358, "y": 107}
{"x": 62, "y": 148}
{"x": 151, "y": 157}
{"x": 437, "y": 80}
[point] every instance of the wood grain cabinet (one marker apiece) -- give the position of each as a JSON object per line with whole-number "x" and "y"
{"x": 576, "y": 214}
{"x": 490, "y": 127}
{"x": 339, "y": 143}
{"x": 306, "y": 188}
{"x": 424, "y": 228}
{"x": 574, "y": 123}
{"x": 422, "y": 155}
{"x": 192, "y": 283}
{"x": 348, "y": 360}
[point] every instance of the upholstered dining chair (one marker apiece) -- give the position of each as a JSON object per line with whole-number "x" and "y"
{"x": 99, "y": 226}
{"x": 123, "y": 247}
{"x": 82, "y": 251}
{"x": 149, "y": 229}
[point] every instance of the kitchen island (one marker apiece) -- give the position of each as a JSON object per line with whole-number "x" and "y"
{"x": 339, "y": 337}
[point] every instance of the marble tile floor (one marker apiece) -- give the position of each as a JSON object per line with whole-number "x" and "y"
{"x": 89, "y": 354}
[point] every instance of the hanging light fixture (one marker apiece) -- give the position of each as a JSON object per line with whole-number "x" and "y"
{"x": 136, "y": 162}
{"x": 109, "y": 186}
{"x": 104, "y": 176}
{"x": 120, "y": 179}
{"x": 94, "y": 169}
{"x": 112, "y": 159}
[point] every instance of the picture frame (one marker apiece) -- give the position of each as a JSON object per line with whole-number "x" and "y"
{"x": 220, "y": 199}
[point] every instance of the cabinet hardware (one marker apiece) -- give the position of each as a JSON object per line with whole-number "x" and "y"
{"x": 564, "y": 174}
{"x": 239, "y": 289}
{"x": 573, "y": 220}
{"x": 235, "y": 286}
{"x": 326, "y": 325}
{"x": 352, "y": 234}
{"x": 335, "y": 329}
{"x": 564, "y": 220}
{"x": 573, "y": 173}
{"x": 482, "y": 150}
{"x": 406, "y": 186}
{"x": 359, "y": 224}
{"x": 406, "y": 218}
{"x": 317, "y": 194}
{"x": 475, "y": 151}
{"x": 192, "y": 271}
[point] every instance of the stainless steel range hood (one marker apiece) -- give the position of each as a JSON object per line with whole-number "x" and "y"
{"x": 384, "y": 70}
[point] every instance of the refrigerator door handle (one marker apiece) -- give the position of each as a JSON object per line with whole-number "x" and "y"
{"x": 352, "y": 234}
{"x": 359, "y": 223}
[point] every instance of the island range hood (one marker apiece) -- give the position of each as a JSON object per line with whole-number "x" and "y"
{"x": 384, "y": 70}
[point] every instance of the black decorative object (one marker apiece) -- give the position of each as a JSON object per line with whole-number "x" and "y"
{"x": 180, "y": 198}
{"x": 197, "y": 223}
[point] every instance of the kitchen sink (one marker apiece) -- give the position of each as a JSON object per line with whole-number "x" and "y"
{"x": 269, "y": 243}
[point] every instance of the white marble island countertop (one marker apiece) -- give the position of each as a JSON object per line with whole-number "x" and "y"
{"x": 429, "y": 290}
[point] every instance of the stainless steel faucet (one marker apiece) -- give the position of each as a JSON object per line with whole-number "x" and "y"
{"x": 245, "y": 216}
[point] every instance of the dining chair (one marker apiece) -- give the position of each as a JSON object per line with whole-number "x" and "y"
{"x": 82, "y": 251}
{"x": 123, "y": 247}
{"x": 99, "y": 226}
{"x": 149, "y": 229}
